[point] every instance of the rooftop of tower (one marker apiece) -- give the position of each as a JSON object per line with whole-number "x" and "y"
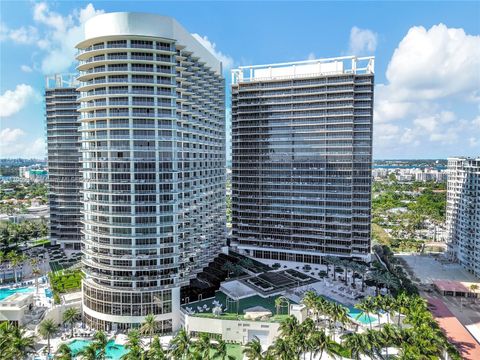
{"x": 307, "y": 68}
{"x": 146, "y": 24}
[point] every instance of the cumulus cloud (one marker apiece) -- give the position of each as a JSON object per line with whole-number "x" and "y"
{"x": 13, "y": 143}
{"x": 435, "y": 63}
{"x": 62, "y": 33}
{"x": 431, "y": 73}
{"x": 26, "y": 68}
{"x": 227, "y": 61}
{"x": 21, "y": 35}
{"x": 12, "y": 101}
{"x": 362, "y": 41}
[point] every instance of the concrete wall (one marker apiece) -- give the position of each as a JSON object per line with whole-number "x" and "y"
{"x": 239, "y": 331}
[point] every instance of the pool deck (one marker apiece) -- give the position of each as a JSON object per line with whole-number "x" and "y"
{"x": 469, "y": 348}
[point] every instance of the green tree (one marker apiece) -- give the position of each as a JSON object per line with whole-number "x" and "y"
{"x": 70, "y": 316}
{"x": 100, "y": 341}
{"x": 47, "y": 328}
{"x": 321, "y": 343}
{"x": 221, "y": 351}
{"x": 203, "y": 345}
{"x": 356, "y": 343}
{"x": 156, "y": 351}
{"x": 149, "y": 326}
{"x": 253, "y": 349}
{"x": 179, "y": 345}
{"x": 63, "y": 353}
{"x": 88, "y": 353}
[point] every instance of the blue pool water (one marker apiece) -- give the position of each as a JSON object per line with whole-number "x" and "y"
{"x": 48, "y": 293}
{"x": 113, "y": 351}
{"x": 4, "y": 293}
{"x": 353, "y": 313}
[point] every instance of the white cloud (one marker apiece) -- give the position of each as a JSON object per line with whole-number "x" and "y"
{"x": 22, "y": 35}
{"x": 311, "y": 56}
{"x": 26, "y": 68}
{"x": 362, "y": 41}
{"x": 227, "y": 61}
{"x": 61, "y": 35}
{"x": 473, "y": 142}
{"x": 12, "y": 101}
{"x": 13, "y": 143}
{"x": 435, "y": 63}
{"x": 431, "y": 74}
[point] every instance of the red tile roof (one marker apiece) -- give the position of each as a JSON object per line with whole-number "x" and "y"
{"x": 456, "y": 333}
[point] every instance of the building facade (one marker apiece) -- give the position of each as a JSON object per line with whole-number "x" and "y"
{"x": 302, "y": 158}
{"x": 63, "y": 152}
{"x": 463, "y": 212}
{"x": 153, "y": 155}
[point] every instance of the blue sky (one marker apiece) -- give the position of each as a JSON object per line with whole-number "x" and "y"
{"x": 427, "y": 67}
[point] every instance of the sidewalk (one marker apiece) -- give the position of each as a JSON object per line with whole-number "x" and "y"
{"x": 469, "y": 348}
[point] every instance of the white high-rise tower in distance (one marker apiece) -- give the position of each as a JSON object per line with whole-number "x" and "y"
{"x": 153, "y": 158}
{"x": 463, "y": 211}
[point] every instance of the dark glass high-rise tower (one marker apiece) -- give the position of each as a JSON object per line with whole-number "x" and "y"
{"x": 302, "y": 157}
{"x": 63, "y": 151}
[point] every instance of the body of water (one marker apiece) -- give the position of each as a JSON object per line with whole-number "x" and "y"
{"x": 112, "y": 352}
{"x": 4, "y": 293}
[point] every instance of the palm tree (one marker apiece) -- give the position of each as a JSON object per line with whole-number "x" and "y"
{"x": 389, "y": 335}
{"x": 149, "y": 326}
{"x": 133, "y": 344}
{"x": 288, "y": 327}
{"x": 180, "y": 344}
{"x": 474, "y": 288}
{"x": 15, "y": 343}
{"x": 100, "y": 341}
{"x": 309, "y": 299}
{"x": 221, "y": 351}
{"x": 36, "y": 272}
{"x": 70, "y": 316}
{"x": 302, "y": 337}
{"x": 203, "y": 346}
{"x": 88, "y": 353}
{"x": 278, "y": 304}
{"x": 356, "y": 343}
{"x": 14, "y": 262}
{"x": 283, "y": 349}
{"x": 47, "y": 328}
{"x": 401, "y": 305}
{"x": 156, "y": 351}
{"x": 63, "y": 353}
{"x": 338, "y": 313}
{"x": 366, "y": 307}
{"x": 322, "y": 343}
{"x": 253, "y": 349}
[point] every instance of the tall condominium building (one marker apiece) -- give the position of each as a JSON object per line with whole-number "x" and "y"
{"x": 302, "y": 156}
{"x": 63, "y": 152}
{"x": 153, "y": 147}
{"x": 463, "y": 211}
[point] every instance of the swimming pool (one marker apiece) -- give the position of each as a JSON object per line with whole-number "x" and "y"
{"x": 113, "y": 351}
{"x": 48, "y": 293}
{"x": 354, "y": 312}
{"x": 4, "y": 293}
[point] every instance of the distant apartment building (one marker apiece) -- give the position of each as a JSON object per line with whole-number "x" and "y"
{"x": 153, "y": 147}
{"x": 302, "y": 159}
{"x": 63, "y": 153}
{"x": 463, "y": 211}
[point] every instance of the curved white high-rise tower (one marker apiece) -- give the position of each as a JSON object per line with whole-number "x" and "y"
{"x": 153, "y": 154}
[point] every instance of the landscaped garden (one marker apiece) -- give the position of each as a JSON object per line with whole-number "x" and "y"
{"x": 64, "y": 281}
